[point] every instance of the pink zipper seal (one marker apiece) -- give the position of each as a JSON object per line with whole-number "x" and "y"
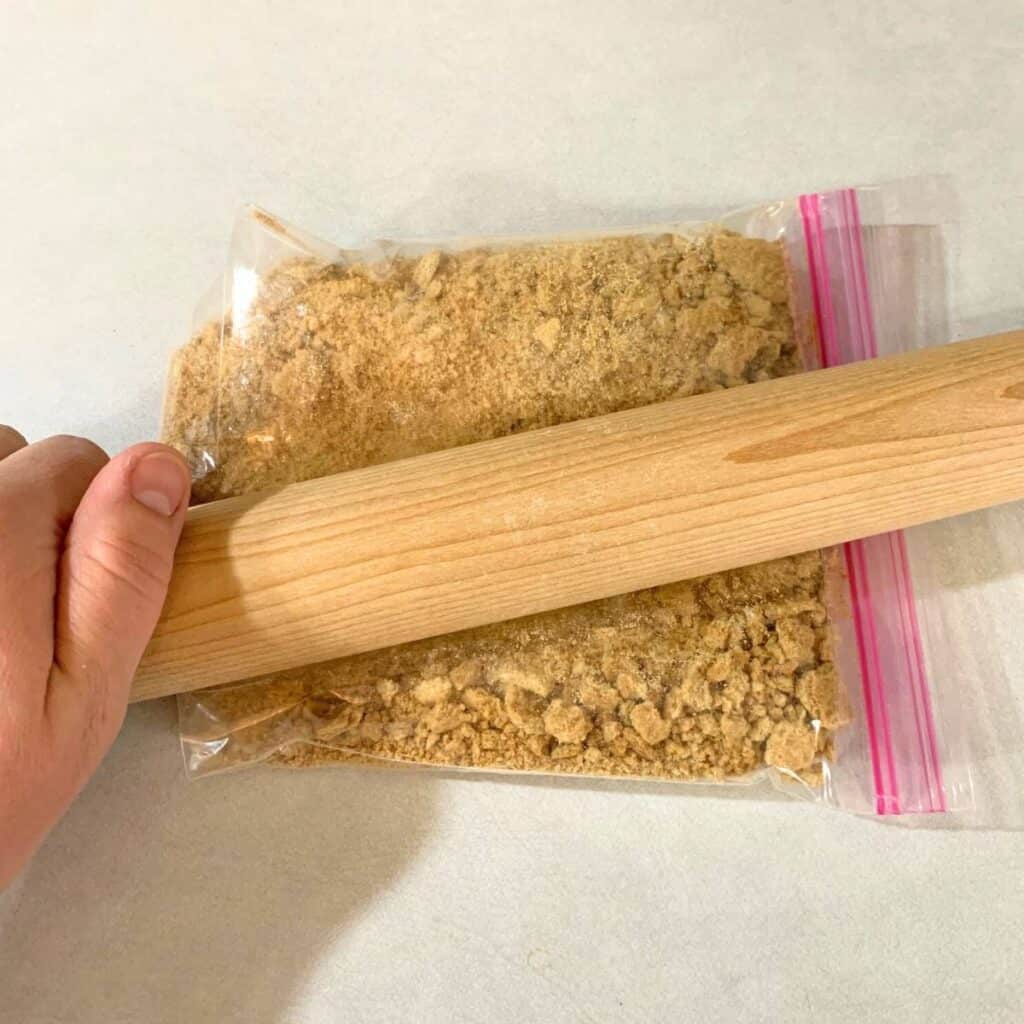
{"x": 899, "y": 722}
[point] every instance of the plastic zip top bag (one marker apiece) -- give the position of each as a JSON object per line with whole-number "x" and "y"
{"x": 820, "y": 673}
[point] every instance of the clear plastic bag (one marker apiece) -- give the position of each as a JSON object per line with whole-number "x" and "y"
{"x": 816, "y": 672}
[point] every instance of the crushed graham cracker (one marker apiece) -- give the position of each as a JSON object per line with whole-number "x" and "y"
{"x": 346, "y": 365}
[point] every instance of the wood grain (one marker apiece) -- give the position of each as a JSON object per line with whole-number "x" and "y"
{"x": 555, "y": 517}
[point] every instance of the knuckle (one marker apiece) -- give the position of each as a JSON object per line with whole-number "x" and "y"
{"x": 11, "y": 437}
{"x": 70, "y": 448}
{"x": 131, "y": 564}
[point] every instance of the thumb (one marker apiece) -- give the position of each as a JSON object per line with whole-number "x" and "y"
{"x": 113, "y": 581}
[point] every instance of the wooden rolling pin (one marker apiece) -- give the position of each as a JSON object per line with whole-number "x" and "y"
{"x": 554, "y": 517}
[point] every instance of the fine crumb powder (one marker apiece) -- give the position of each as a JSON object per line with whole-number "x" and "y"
{"x": 347, "y": 365}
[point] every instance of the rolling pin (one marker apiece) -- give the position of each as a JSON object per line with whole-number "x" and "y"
{"x": 562, "y": 515}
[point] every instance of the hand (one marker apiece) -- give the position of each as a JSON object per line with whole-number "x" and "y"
{"x": 86, "y": 547}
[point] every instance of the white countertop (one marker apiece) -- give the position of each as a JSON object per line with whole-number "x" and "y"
{"x": 131, "y": 135}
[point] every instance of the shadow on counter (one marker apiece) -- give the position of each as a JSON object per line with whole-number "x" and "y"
{"x": 164, "y": 901}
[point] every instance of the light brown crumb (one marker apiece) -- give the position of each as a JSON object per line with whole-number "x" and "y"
{"x": 647, "y": 721}
{"x": 330, "y": 370}
{"x": 433, "y": 691}
{"x": 349, "y": 365}
{"x": 819, "y": 691}
{"x": 791, "y": 745}
{"x": 568, "y": 723}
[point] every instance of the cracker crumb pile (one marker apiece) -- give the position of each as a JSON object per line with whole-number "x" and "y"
{"x": 347, "y": 365}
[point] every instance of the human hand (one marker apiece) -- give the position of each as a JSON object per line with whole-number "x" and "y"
{"x": 86, "y": 548}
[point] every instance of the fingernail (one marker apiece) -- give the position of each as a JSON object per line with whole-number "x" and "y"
{"x": 160, "y": 482}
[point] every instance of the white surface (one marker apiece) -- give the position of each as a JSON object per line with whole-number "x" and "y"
{"x": 131, "y": 134}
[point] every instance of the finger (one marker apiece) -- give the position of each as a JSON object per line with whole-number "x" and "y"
{"x": 40, "y": 488}
{"x": 44, "y": 482}
{"x": 10, "y": 441}
{"x": 112, "y": 584}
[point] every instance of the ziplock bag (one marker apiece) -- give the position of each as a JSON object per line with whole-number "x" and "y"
{"x": 816, "y": 672}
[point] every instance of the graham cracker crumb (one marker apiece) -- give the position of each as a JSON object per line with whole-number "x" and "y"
{"x": 347, "y": 365}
